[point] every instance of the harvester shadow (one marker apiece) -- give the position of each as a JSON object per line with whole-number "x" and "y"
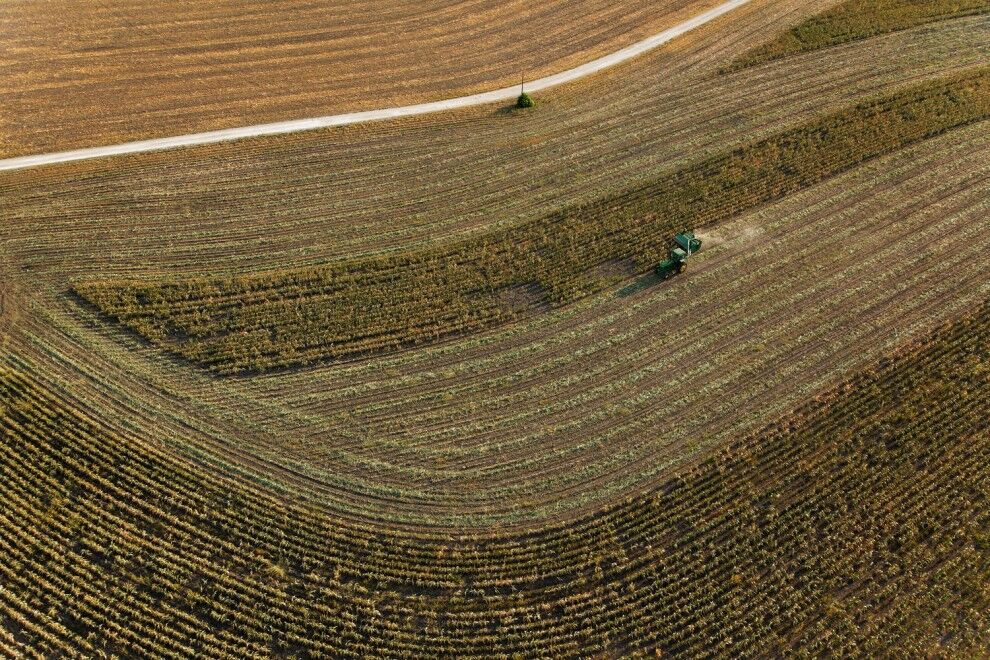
{"x": 641, "y": 283}
{"x": 509, "y": 110}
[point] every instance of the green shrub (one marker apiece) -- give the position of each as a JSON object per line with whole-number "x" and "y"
{"x": 525, "y": 101}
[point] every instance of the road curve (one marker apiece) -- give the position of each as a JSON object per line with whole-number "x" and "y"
{"x": 297, "y": 125}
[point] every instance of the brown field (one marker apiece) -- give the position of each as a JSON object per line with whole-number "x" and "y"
{"x": 305, "y": 198}
{"x": 858, "y": 525}
{"x": 74, "y": 74}
{"x": 564, "y": 411}
{"x": 858, "y": 19}
{"x": 476, "y": 430}
{"x": 783, "y": 451}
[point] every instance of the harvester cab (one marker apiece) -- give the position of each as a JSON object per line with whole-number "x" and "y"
{"x": 675, "y": 263}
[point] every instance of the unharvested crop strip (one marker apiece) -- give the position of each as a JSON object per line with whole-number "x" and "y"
{"x": 259, "y": 322}
{"x": 858, "y": 19}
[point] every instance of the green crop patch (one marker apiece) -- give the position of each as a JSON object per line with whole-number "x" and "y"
{"x": 262, "y": 321}
{"x": 857, "y": 19}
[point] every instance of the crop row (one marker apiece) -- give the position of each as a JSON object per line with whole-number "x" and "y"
{"x": 857, "y": 19}
{"x": 449, "y": 423}
{"x": 259, "y": 322}
{"x": 860, "y": 523}
{"x": 560, "y": 412}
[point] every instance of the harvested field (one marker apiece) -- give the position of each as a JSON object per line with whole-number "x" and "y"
{"x": 359, "y": 307}
{"x": 784, "y": 451}
{"x": 76, "y": 76}
{"x": 857, "y": 525}
{"x": 476, "y": 431}
{"x": 858, "y": 19}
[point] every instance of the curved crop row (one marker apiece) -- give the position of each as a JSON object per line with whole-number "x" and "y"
{"x": 860, "y": 524}
{"x": 858, "y": 19}
{"x": 558, "y": 413}
{"x": 263, "y": 321}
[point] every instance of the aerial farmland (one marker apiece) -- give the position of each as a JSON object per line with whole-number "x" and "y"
{"x": 495, "y": 329}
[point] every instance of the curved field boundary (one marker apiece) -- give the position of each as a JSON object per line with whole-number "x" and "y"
{"x": 313, "y": 123}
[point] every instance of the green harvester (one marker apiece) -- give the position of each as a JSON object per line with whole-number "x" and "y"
{"x": 687, "y": 245}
